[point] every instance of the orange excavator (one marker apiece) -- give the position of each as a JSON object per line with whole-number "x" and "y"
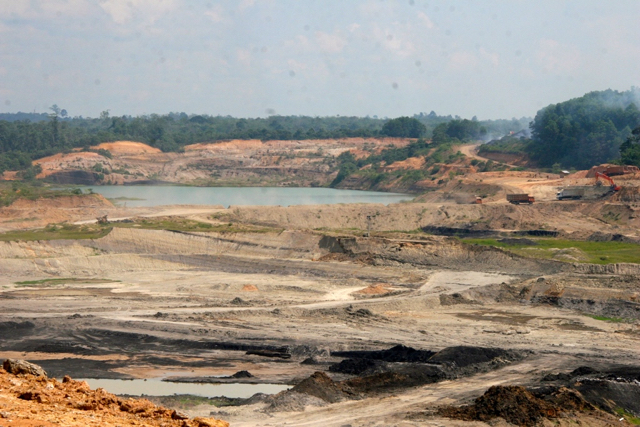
{"x": 614, "y": 187}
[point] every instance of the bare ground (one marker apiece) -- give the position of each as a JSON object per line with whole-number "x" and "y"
{"x": 148, "y": 304}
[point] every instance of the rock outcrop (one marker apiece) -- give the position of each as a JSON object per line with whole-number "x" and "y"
{"x": 17, "y": 367}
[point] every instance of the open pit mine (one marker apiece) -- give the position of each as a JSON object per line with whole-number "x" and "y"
{"x": 325, "y": 315}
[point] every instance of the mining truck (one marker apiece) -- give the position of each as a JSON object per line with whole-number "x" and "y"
{"x": 570, "y": 193}
{"x": 516, "y": 199}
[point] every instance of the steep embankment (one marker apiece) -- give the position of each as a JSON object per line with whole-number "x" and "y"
{"x": 565, "y": 217}
{"x": 234, "y": 162}
{"x": 26, "y": 213}
{"x": 131, "y": 250}
{"x": 440, "y": 252}
{"x": 286, "y": 244}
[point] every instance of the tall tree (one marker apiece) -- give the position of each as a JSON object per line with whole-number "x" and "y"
{"x": 584, "y": 131}
{"x": 406, "y": 127}
{"x": 630, "y": 149}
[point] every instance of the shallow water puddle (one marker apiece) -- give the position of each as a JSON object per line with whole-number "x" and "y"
{"x": 157, "y": 387}
{"x": 154, "y": 195}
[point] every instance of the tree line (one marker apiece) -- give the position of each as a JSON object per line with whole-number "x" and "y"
{"x": 630, "y": 149}
{"x": 25, "y": 137}
{"x": 578, "y": 133}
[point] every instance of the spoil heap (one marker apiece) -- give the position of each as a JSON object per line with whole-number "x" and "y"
{"x": 521, "y": 406}
{"x": 29, "y": 398}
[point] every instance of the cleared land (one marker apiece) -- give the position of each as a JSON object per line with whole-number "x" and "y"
{"x": 440, "y": 302}
{"x": 276, "y": 298}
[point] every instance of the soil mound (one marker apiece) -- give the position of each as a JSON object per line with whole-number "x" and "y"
{"x": 607, "y": 237}
{"x": 289, "y": 401}
{"x": 584, "y": 370}
{"x": 517, "y": 405}
{"x": 321, "y": 386}
{"x": 127, "y": 147}
{"x": 398, "y": 353}
{"x": 357, "y": 366}
{"x": 611, "y": 395}
{"x": 463, "y": 356}
{"x": 242, "y": 374}
{"x": 377, "y": 289}
{"x": 402, "y": 367}
{"x": 398, "y": 376}
{"x": 513, "y": 403}
{"x": 454, "y": 299}
{"x": 385, "y": 381}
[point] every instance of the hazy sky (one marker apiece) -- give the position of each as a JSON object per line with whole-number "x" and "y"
{"x": 249, "y": 58}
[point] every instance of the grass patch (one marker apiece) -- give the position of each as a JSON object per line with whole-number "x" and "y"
{"x": 182, "y": 224}
{"x": 12, "y": 191}
{"x": 56, "y": 232}
{"x": 596, "y": 252}
{"x": 628, "y": 416}
{"x": 63, "y": 281}
{"x": 609, "y": 319}
{"x": 96, "y": 231}
{"x": 21, "y": 220}
{"x": 188, "y": 401}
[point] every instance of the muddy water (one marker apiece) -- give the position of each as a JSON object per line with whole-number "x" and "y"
{"x": 156, "y": 387}
{"x": 156, "y": 195}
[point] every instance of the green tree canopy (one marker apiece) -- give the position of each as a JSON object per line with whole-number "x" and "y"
{"x": 630, "y": 149}
{"x": 404, "y": 127}
{"x": 584, "y": 131}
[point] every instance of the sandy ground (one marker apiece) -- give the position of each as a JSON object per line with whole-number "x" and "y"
{"x": 159, "y": 304}
{"x": 471, "y": 151}
{"x": 149, "y": 304}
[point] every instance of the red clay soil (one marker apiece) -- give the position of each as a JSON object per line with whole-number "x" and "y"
{"x": 127, "y": 147}
{"x": 28, "y": 400}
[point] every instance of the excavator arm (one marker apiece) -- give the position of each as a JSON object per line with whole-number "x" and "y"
{"x": 608, "y": 179}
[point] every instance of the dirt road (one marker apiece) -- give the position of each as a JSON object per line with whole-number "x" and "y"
{"x": 471, "y": 151}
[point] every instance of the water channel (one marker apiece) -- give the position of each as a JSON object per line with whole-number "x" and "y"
{"x": 157, "y": 387}
{"x": 155, "y": 195}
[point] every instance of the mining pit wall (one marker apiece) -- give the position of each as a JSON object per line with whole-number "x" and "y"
{"x": 83, "y": 266}
{"x": 277, "y": 245}
{"x": 126, "y": 249}
{"x": 443, "y": 253}
{"x": 618, "y": 269}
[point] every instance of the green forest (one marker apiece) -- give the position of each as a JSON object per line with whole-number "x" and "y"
{"x": 577, "y": 133}
{"x": 25, "y": 137}
{"x": 584, "y": 131}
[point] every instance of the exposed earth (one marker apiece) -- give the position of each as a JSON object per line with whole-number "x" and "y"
{"x": 235, "y": 162}
{"x": 29, "y": 398}
{"x": 397, "y": 328}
